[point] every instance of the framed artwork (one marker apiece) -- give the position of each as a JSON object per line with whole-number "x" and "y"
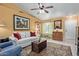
{"x": 58, "y": 24}
{"x": 21, "y": 23}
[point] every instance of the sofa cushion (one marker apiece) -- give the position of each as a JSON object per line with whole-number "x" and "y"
{"x": 17, "y": 35}
{"x": 23, "y": 34}
{"x": 27, "y": 39}
{"x": 27, "y": 34}
{"x": 32, "y": 34}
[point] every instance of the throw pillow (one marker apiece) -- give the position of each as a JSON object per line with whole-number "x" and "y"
{"x": 17, "y": 35}
{"x": 32, "y": 34}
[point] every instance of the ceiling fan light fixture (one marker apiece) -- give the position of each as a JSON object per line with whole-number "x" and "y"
{"x": 41, "y": 11}
{"x": 42, "y": 8}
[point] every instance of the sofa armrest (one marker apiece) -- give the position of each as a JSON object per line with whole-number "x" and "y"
{"x": 5, "y": 44}
{"x": 13, "y": 39}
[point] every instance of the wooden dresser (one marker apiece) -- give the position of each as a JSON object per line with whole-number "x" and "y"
{"x": 57, "y": 36}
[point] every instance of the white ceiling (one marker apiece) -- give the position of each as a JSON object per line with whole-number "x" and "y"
{"x": 59, "y": 10}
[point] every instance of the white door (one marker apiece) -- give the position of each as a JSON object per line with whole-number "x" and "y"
{"x": 70, "y": 29}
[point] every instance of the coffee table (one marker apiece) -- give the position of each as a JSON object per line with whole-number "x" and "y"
{"x": 39, "y": 46}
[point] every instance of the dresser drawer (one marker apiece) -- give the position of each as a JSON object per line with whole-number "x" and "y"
{"x": 57, "y": 36}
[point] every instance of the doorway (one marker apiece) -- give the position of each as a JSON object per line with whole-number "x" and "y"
{"x": 70, "y": 29}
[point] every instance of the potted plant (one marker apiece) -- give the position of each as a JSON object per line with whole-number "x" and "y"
{"x": 40, "y": 37}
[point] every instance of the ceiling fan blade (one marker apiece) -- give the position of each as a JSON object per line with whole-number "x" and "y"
{"x": 40, "y": 5}
{"x": 49, "y": 7}
{"x": 46, "y": 11}
{"x": 35, "y": 9}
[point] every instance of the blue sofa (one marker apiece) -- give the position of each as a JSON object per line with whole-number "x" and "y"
{"x": 9, "y": 49}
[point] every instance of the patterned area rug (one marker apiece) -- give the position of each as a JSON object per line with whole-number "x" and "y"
{"x": 52, "y": 49}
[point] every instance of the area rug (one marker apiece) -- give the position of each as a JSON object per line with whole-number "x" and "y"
{"x": 52, "y": 49}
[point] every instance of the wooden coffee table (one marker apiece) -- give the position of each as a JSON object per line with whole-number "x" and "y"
{"x": 39, "y": 46}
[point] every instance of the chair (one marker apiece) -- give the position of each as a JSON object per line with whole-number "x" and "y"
{"x": 8, "y": 49}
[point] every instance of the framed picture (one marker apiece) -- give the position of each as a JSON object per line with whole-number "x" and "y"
{"x": 21, "y": 23}
{"x": 58, "y": 24}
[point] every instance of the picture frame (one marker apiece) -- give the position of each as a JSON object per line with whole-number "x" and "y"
{"x": 21, "y": 23}
{"x": 58, "y": 24}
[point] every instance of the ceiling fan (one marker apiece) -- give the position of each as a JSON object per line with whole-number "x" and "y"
{"x": 42, "y": 8}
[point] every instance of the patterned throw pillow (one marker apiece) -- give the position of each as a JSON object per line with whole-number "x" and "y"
{"x": 32, "y": 34}
{"x": 17, "y": 35}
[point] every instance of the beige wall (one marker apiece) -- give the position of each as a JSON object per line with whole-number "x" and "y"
{"x": 52, "y": 21}
{"x": 6, "y": 16}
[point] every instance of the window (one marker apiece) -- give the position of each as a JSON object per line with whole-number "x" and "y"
{"x": 47, "y": 28}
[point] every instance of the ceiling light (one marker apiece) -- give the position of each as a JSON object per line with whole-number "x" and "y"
{"x": 41, "y": 11}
